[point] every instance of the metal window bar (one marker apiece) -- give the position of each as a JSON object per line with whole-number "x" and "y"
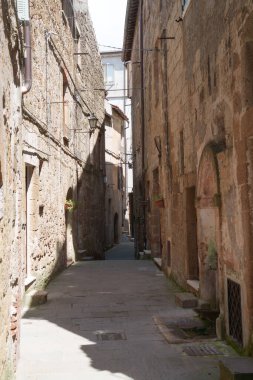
{"x": 235, "y": 311}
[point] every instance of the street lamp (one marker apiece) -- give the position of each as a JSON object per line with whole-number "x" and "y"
{"x": 92, "y": 122}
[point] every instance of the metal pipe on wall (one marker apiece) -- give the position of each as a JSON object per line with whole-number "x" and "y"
{"x": 143, "y": 121}
{"x": 27, "y": 58}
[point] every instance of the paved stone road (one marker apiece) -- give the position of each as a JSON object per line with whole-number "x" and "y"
{"x": 63, "y": 339}
{"x": 123, "y": 251}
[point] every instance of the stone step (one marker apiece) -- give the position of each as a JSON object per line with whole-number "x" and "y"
{"x": 238, "y": 368}
{"x": 35, "y": 298}
{"x": 82, "y": 251}
{"x": 87, "y": 258}
{"x": 144, "y": 256}
{"x": 158, "y": 262}
{"x": 193, "y": 286}
{"x": 186, "y": 300}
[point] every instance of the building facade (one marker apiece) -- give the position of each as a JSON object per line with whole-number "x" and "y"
{"x": 192, "y": 148}
{"x": 117, "y": 91}
{"x": 10, "y": 186}
{"x": 52, "y": 160}
{"x": 115, "y": 195}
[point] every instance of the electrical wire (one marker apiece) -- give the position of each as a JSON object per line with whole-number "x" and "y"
{"x": 62, "y": 41}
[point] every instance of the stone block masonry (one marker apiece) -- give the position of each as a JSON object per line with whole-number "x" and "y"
{"x": 192, "y": 146}
{"x": 10, "y": 188}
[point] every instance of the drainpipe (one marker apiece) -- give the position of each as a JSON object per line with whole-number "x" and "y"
{"x": 143, "y": 120}
{"x": 27, "y": 58}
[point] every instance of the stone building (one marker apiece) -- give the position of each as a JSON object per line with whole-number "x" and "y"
{"x": 50, "y": 151}
{"x": 115, "y": 194}
{"x": 117, "y": 88}
{"x": 192, "y": 106}
{"x": 10, "y": 186}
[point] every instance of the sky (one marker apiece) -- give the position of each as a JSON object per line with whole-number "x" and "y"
{"x": 108, "y": 18}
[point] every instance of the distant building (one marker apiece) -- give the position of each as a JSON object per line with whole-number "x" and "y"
{"x": 115, "y": 195}
{"x": 116, "y": 85}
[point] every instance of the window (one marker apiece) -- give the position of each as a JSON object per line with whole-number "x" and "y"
{"x": 156, "y": 72}
{"x": 68, "y": 14}
{"x": 181, "y": 153}
{"x": 108, "y": 73}
{"x": 120, "y": 178}
{"x": 129, "y": 80}
{"x": 66, "y": 98}
{"x": 78, "y": 49}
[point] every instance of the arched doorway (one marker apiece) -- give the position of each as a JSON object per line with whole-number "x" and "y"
{"x": 116, "y": 228}
{"x": 70, "y": 251}
{"x": 208, "y": 226}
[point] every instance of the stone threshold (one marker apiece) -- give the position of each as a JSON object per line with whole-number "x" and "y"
{"x": 158, "y": 262}
{"x": 193, "y": 286}
{"x": 29, "y": 280}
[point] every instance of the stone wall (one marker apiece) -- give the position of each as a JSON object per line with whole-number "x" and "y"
{"x": 47, "y": 155}
{"x": 198, "y": 133}
{"x": 115, "y": 194}
{"x": 10, "y": 187}
{"x": 65, "y": 156}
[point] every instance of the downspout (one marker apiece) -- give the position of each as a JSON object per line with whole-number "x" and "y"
{"x": 143, "y": 121}
{"x": 27, "y": 58}
{"x": 125, "y": 145}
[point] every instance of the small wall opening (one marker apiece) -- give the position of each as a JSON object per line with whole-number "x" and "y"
{"x": 235, "y": 311}
{"x": 116, "y": 228}
{"x": 168, "y": 253}
{"x": 70, "y": 251}
{"x": 155, "y": 221}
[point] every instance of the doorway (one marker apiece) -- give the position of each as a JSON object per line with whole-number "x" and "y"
{"x": 29, "y": 171}
{"x": 116, "y": 228}
{"x": 191, "y": 227}
{"x": 70, "y": 251}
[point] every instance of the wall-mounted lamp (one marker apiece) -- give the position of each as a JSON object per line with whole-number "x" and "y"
{"x": 92, "y": 122}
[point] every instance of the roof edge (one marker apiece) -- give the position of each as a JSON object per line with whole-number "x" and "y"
{"x": 120, "y": 112}
{"x": 130, "y": 23}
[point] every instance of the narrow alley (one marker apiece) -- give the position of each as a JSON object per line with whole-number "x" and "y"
{"x": 126, "y": 189}
{"x": 101, "y": 317}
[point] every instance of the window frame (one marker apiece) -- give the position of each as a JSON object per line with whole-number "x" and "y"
{"x": 105, "y": 69}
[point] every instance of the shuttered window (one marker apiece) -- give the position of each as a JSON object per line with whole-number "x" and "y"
{"x": 23, "y": 10}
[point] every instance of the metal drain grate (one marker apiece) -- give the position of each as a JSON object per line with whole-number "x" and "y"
{"x": 203, "y": 350}
{"x": 235, "y": 311}
{"x": 105, "y": 336}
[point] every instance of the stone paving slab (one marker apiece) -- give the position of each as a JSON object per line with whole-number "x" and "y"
{"x": 59, "y": 341}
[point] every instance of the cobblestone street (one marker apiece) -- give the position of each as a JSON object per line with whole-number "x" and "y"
{"x": 98, "y": 323}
